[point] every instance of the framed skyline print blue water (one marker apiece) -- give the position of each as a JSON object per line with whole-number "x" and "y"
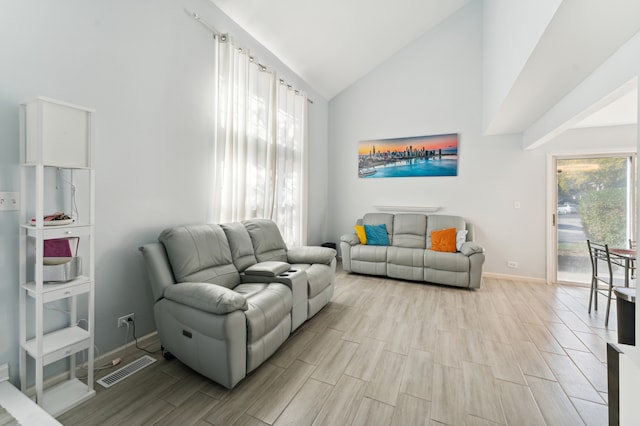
{"x": 435, "y": 155}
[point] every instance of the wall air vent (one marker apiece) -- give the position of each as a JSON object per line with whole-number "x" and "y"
{"x": 126, "y": 371}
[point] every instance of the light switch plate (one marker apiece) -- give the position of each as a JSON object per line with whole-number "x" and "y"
{"x": 9, "y": 201}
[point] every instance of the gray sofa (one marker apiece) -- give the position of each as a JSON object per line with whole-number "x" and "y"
{"x": 227, "y": 296}
{"x": 409, "y": 256}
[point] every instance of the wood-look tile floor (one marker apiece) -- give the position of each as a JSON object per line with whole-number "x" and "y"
{"x": 390, "y": 352}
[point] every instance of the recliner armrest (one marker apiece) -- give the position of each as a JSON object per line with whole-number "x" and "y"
{"x": 270, "y": 268}
{"x": 352, "y": 239}
{"x": 309, "y": 254}
{"x": 207, "y": 297}
{"x": 471, "y": 247}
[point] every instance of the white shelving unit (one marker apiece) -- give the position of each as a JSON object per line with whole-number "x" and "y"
{"x": 56, "y": 156}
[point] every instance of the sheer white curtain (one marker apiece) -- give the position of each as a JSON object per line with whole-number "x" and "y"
{"x": 260, "y": 146}
{"x": 290, "y": 207}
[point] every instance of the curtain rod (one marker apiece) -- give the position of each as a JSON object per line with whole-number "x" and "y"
{"x": 203, "y": 23}
{"x": 217, "y": 33}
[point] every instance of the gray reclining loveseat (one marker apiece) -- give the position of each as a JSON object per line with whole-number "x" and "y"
{"x": 227, "y": 296}
{"x": 409, "y": 255}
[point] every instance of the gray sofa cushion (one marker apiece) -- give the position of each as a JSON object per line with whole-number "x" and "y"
{"x": 160, "y": 273}
{"x": 406, "y": 256}
{"x": 453, "y": 262}
{"x": 320, "y": 277}
{"x": 370, "y": 260}
{"x": 200, "y": 253}
{"x": 438, "y": 222}
{"x": 409, "y": 230}
{"x": 268, "y": 322}
{"x": 379, "y": 219}
{"x": 266, "y": 240}
{"x": 206, "y": 297}
{"x": 447, "y": 268}
{"x": 405, "y": 263}
{"x": 266, "y": 310}
{"x": 470, "y": 248}
{"x": 268, "y": 269}
{"x": 240, "y": 245}
{"x": 369, "y": 253}
{"x": 249, "y": 289}
{"x": 324, "y": 255}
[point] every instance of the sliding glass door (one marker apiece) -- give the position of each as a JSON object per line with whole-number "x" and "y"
{"x": 595, "y": 200}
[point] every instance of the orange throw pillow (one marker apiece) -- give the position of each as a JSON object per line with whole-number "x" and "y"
{"x": 444, "y": 240}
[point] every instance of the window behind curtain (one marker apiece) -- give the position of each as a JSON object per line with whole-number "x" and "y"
{"x": 260, "y": 146}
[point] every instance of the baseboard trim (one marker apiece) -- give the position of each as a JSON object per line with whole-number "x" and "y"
{"x": 514, "y": 277}
{"x": 102, "y": 359}
{"x": 109, "y": 356}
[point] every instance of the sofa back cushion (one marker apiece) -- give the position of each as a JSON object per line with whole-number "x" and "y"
{"x": 200, "y": 253}
{"x": 437, "y": 222}
{"x": 380, "y": 219}
{"x": 266, "y": 239}
{"x": 409, "y": 230}
{"x": 240, "y": 244}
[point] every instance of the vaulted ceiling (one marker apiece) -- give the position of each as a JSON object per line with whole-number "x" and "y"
{"x": 333, "y": 43}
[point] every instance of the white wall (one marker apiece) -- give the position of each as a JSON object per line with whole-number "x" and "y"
{"x": 147, "y": 68}
{"x": 434, "y": 86}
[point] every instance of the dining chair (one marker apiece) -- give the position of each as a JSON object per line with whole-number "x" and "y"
{"x": 602, "y": 279}
{"x": 632, "y": 246}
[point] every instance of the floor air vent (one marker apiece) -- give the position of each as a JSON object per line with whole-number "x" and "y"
{"x": 126, "y": 371}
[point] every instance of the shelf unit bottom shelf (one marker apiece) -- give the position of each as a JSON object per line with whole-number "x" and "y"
{"x": 60, "y": 343}
{"x": 64, "y": 396}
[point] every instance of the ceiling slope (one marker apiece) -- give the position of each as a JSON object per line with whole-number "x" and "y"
{"x": 332, "y": 43}
{"x": 581, "y": 36}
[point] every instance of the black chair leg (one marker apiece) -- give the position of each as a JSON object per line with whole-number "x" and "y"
{"x": 606, "y": 318}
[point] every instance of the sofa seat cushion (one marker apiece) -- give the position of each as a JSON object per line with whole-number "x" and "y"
{"x": 268, "y": 322}
{"x": 370, "y": 260}
{"x": 447, "y": 268}
{"x": 266, "y": 309}
{"x": 442, "y": 261}
{"x": 320, "y": 277}
{"x": 406, "y": 256}
{"x": 369, "y": 253}
{"x": 405, "y": 263}
{"x": 249, "y": 289}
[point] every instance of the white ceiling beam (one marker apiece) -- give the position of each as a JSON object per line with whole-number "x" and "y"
{"x": 613, "y": 79}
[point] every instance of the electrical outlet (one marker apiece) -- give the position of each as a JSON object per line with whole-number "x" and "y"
{"x": 9, "y": 201}
{"x": 123, "y": 320}
{"x": 512, "y": 264}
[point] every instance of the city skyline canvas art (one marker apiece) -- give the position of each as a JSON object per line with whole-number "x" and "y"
{"x": 417, "y": 156}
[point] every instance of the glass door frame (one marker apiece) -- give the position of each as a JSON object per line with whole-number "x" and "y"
{"x": 552, "y": 200}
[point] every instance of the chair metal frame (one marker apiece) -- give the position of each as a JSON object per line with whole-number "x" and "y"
{"x": 600, "y": 253}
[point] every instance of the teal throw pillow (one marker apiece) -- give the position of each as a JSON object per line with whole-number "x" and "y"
{"x": 376, "y": 235}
